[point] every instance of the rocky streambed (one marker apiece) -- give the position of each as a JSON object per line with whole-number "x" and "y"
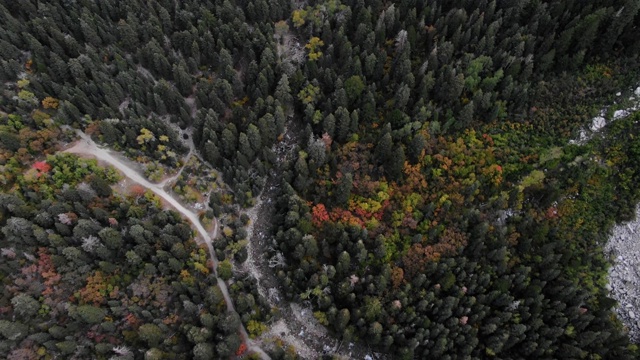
{"x": 623, "y": 245}
{"x": 624, "y": 275}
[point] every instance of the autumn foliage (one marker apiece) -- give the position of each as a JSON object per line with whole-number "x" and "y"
{"x": 95, "y": 291}
{"x": 137, "y": 190}
{"x": 319, "y": 214}
{"x": 241, "y": 349}
{"x": 42, "y": 166}
{"x": 419, "y": 254}
{"x": 47, "y": 270}
{"x": 50, "y": 103}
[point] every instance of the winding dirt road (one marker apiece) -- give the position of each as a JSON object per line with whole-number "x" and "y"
{"x": 88, "y": 147}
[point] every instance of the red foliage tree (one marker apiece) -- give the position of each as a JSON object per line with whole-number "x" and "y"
{"x": 319, "y": 215}
{"x": 326, "y": 138}
{"x": 345, "y": 217}
{"x": 137, "y": 190}
{"x": 47, "y": 270}
{"x": 42, "y": 167}
{"x": 241, "y": 349}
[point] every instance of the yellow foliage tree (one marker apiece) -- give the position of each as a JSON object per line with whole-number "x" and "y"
{"x": 50, "y": 103}
{"x": 145, "y": 136}
{"x": 312, "y": 46}
{"x": 298, "y": 17}
{"x": 309, "y": 94}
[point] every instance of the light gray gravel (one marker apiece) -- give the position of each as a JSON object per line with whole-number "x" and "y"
{"x": 624, "y": 276}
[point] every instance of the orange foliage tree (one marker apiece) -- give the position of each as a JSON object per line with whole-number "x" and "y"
{"x": 95, "y": 291}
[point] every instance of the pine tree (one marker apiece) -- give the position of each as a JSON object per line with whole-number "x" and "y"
{"x": 228, "y": 142}
{"x": 182, "y": 78}
{"x": 395, "y": 163}
{"x": 383, "y": 148}
{"x": 343, "y": 124}
{"x": 245, "y": 147}
{"x": 343, "y": 190}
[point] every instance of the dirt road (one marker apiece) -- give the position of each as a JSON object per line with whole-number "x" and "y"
{"x": 88, "y": 147}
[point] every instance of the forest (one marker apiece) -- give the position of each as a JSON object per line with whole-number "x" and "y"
{"x": 428, "y": 201}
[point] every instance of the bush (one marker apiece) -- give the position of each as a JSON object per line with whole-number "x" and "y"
{"x": 13, "y": 330}
{"x": 25, "y": 305}
{"x": 66, "y": 347}
{"x": 151, "y": 333}
{"x": 90, "y": 314}
{"x": 224, "y": 270}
